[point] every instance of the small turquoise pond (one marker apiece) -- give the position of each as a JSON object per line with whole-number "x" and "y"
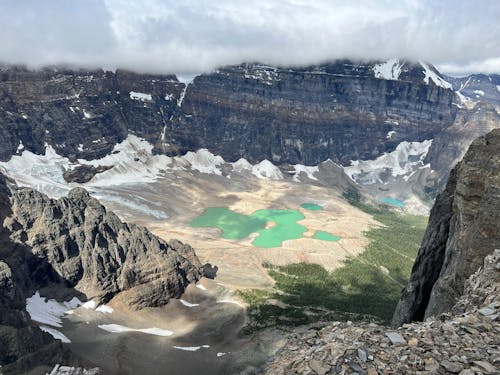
{"x": 393, "y": 202}
{"x": 311, "y": 206}
{"x": 325, "y": 236}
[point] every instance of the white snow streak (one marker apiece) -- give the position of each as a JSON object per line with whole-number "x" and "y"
{"x": 390, "y": 70}
{"x": 140, "y": 96}
{"x": 117, "y": 328}
{"x": 191, "y": 348}
{"x": 431, "y": 75}
{"x": 188, "y": 304}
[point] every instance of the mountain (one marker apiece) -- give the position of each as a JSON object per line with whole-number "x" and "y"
{"x": 395, "y": 127}
{"x": 477, "y": 87}
{"x": 301, "y": 115}
{"x": 454, "y": 286}
{"x": 75, "y": 248}
{"x": 463, "y": 229}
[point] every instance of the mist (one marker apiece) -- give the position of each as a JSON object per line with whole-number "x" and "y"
{"x": 193, "y": 36}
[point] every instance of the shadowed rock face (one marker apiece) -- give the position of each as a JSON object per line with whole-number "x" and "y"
{"x": 463, "y": 229}
{"x": 22, "y": 344}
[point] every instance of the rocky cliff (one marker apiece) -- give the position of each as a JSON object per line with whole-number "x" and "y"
{"x": 463, "y": 229}
{"x": 342, "y": 111}
{"x": 75, "y": 243}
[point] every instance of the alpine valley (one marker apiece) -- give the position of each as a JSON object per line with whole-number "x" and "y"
{"x": 255, "y": 219}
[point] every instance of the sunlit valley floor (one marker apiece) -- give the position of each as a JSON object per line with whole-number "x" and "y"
{"x": 232, "y": 322}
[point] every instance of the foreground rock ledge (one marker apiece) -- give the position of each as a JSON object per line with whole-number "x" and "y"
{"x": 463, "y": 342}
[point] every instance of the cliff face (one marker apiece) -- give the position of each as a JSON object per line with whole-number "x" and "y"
{"x": 463, "y": 229}
{"x": 340, "y": 111}
{"x": 74, "y": 242}
{"x": 22, "y": 344}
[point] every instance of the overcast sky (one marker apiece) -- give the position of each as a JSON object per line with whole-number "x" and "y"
{"x": 459, "y": 36}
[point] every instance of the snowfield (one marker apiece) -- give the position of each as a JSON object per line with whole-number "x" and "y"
{"x": 390, "y": 70}
{"x": 397, "y": 162}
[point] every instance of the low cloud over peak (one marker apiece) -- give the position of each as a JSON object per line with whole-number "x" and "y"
{"x": 459, "y": 36}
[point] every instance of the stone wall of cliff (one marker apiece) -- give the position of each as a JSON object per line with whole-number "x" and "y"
{"x": 307, "y": 115}
{"x": 463, "y": 229}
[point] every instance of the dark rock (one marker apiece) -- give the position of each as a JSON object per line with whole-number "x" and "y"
{"x": 84, "y": 173}
{"x": 462, "y": 230}
{"x": 209, "y": 271}
{"x": 94, "y": 252}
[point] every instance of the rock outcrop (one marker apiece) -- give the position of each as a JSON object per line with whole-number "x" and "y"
{"x": 93, "y": 251}
{"x": 464, "y": 343}
{"x": 463, "y": 229}
{"x": 74, "y": 242}
{"x": 22, "y": 344}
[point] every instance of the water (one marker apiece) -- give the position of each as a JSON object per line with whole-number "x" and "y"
{"x": 286, "y": 227}
{"x": 311, "y": 206}
{"x": 393, "y": 202}
{"x": 235, "y": 226}
{"x": 325, "y": 236}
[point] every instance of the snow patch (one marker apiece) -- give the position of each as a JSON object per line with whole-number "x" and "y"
{"x": 498, "y": 88}
{"x": 430, "y": 74}
{"x": 183, "y": 94}
{"x": 87, "y": 114}
{"x": 20, "y": 147}
{"x": 117, "y": 328}
{"x": 105, "y": 309}
{"x": 403, "y": 161}
{"x": 308, "y": 170}
{"x": 390, "y": 134}
{"x": 199, "y": 286}
{"x": 267, "y": 170}
{"x": 55, "y": 334}
{"x": 89, "y": 305}
{"x": 191, "y": 348}
{"x": 390, "y": 70}
{"x": 263, "y": 74}
{"x": 465, "y": 101}
{"x": 140, "y": 96}
{"x": 49, "y": 311}
{"x": 478, "y": 93}
{"x": 221, "y": 354}
{"x": 188, "y": 304}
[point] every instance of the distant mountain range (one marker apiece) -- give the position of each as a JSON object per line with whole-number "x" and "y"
{"x": 344, "y": 111}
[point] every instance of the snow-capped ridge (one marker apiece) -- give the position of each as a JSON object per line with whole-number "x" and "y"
{"x": 397, "y": 162}
{"x": 430, "y": 74}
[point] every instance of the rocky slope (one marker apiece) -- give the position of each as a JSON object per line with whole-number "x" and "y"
{"x": 463, "y": 229}
{"x": 75, "y": 243}
{"x": 465, "y": 342}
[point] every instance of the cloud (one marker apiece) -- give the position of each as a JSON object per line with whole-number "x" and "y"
{"x": 200, "y": 35}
